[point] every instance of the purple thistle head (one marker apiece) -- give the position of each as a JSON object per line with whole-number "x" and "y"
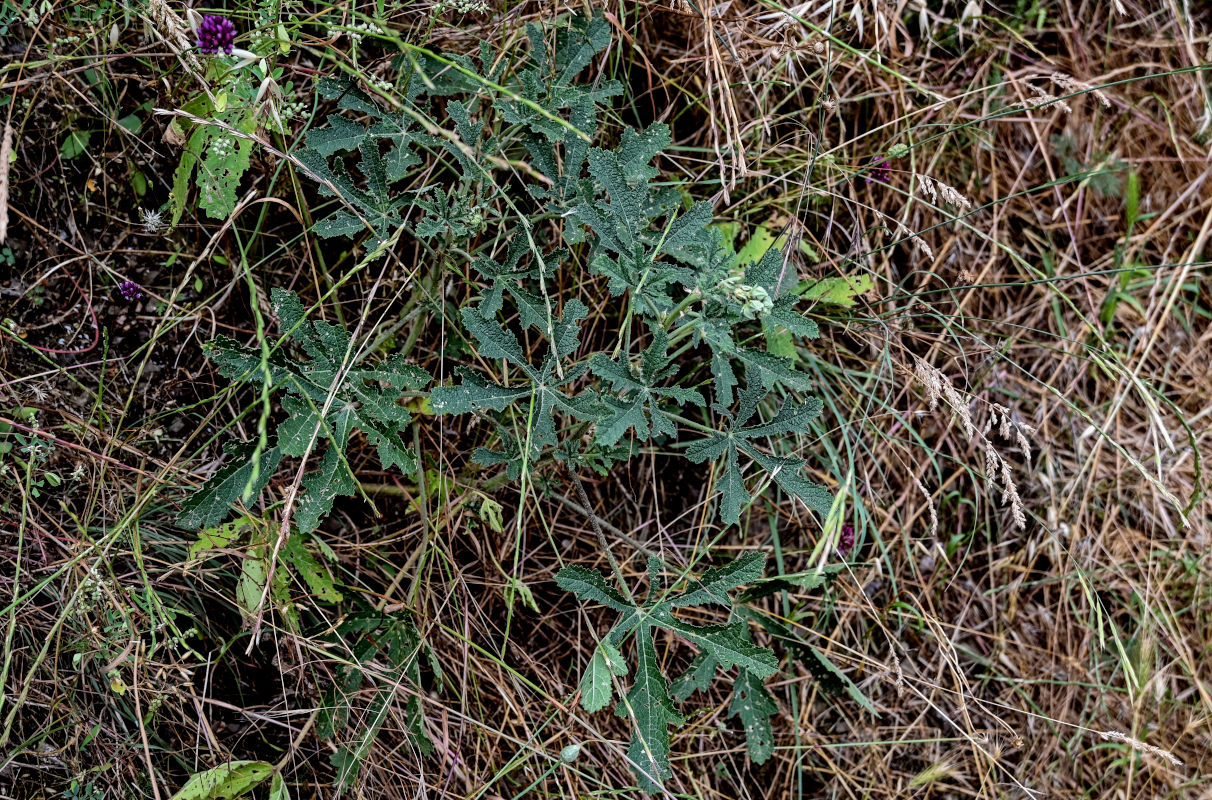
{"x": 130, "y": 290}
{"x": 878, "y": 171}
{"x": 216, "y": 34}
{"x": 845, "y": 542}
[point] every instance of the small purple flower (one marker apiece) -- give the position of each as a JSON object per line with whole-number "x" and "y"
{"x": 130, "y": 290}
{"x": 845, "y": 542}
{"x": 216, "y": 34}
{"x": 878, "y": 171}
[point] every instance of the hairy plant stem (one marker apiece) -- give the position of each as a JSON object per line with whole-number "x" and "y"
{"x": 597, "y": 529}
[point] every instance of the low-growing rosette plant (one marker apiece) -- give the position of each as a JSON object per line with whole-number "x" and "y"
{"x": 700, "y": 359}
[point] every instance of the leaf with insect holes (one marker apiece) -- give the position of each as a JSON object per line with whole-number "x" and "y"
{"x": 697, "y": 677}
{"x": 216, "y": 161}
{"x": 220, "y": 172}
{"x": 649, "y": 703}
{"x": 753, "y": 703}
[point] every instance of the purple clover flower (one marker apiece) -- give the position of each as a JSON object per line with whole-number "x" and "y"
{"x": 845, "y": 542}
{"x": 878, "y": 171}
{"x": 130, "y": 290}
{"x": 216, "y": 34}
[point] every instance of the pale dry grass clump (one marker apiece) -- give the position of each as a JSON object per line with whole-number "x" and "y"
{"x": 171, "y": 30}
{"x": 1073, "y": 86}
{"x": 1042, "y": 98}
{"x": 997, "y": 469}
{"x": 936, "y": 190}
{"x": 6, "y": 151}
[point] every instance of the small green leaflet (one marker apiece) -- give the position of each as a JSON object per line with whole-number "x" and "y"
{"x": 231, "y": 780}
{"x": 218, "y": 537}
{"x": 597, "y": 687}
{"x": 75, "y": 144}
{"x": 278, "y": 790}
{"x": 319, "y": 582}
{"x": 649, "y": 703}
{"x": 836, "y": 291}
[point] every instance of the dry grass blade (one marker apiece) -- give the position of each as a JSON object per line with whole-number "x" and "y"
{"x": 6, "y": 161}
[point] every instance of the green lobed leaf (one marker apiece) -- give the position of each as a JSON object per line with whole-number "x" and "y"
{"x": 207, "y": 507}
{"x": 589, "y": 585}
{"x": 597, "y": 687}
{"x": 333, "y": 478}
{"x": 730, "y": 645}
{"x": 754, "y": 704}
{"x": 716, "y": 582}
{"x": 652, "y": 711}
{"x": 340, "y": 135}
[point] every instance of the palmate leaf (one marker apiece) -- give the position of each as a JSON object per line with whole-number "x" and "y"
{"x": 547, "y": 83}
{"x": 725, "y": 448}
{"x": 506, "y": 276}
{"x": 649, "y": 703}
{"x": 375, "y": 205}
{"x": 543, "y": 389}
{"x": 328, "y": 398}
{"x": 637, "y": 400}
